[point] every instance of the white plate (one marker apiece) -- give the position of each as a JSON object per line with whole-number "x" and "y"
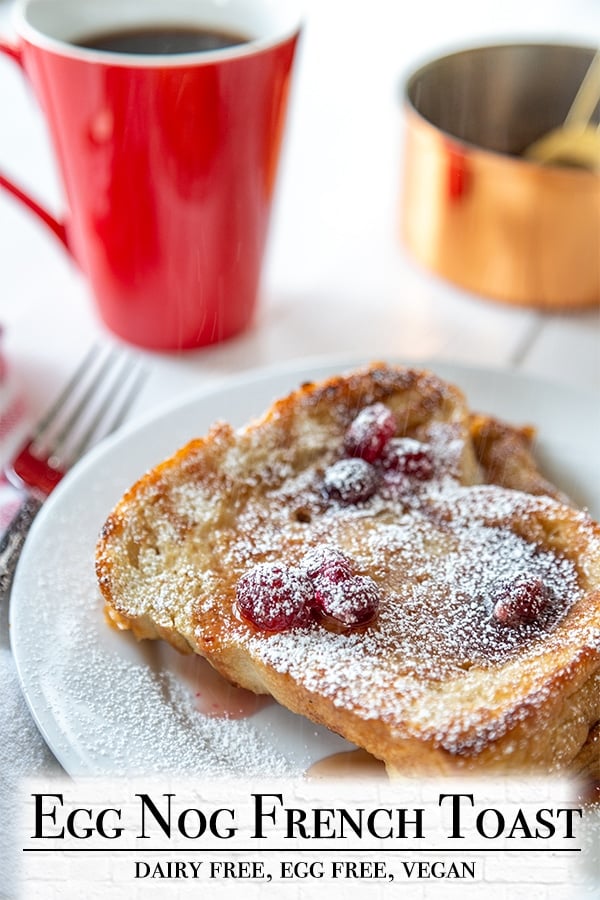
{"x": 108, "y": 705}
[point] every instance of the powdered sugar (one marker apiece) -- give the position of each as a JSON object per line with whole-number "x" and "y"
{"x": 350, "y": 480}
{"x": 351, "y": 602}
{"x": 430, "y": 664}
{"x": 111, "y": 705}
{"x": 275, "y": 597}
{"x": 435, "y": 550}
{"x": 174, "y": 737}
{"x": 436, "y": 563}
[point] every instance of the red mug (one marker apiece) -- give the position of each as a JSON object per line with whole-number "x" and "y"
{"x": 168, "y": 159}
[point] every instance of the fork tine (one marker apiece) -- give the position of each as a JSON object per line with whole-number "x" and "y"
{"x": 66, "y": 392}
{"x": 122, "y": 374}
{"x": 59, "y": 440}
{"x": 121, "y": 411}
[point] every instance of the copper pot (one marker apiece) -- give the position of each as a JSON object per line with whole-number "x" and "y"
{"x": 475, "y": 211}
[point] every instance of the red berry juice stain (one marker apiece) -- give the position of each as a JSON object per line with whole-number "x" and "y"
{"x": 213, "y": 695}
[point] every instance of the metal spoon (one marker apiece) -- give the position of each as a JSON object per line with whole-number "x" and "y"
{"x": 576, "y": 142}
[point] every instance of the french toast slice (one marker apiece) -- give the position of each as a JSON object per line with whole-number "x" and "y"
{"x": 438, "y": 680}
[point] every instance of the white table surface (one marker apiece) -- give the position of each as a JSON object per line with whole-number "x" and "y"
{"x": 336, "y": 279}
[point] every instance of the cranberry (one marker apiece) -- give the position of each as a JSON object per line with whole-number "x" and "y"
{"x": 350, "y": 602}
{"x": 519, "y": 601}
{"x": 328, "y": 562}
{"x": 275, "y": 597}
{"x": 369, "y": 432}
{"x": 406, "y": 456}
{"x": 350, "y": 480}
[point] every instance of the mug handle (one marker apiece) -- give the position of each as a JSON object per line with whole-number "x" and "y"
{"x": 57, "y": 227}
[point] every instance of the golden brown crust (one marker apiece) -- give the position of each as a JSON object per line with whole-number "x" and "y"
{"x": 505, "y": 454}
{"x": 434, "y": 685}
{"x": 586, "y": 765}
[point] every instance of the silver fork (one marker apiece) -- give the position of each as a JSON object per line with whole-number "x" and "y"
{"x": 92, "y": 405}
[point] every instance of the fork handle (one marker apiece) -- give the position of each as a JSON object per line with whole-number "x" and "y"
{"x": 13, "y": 540}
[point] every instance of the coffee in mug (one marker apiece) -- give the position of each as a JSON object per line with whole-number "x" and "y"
{"x": 166, "y": 117}
{"x": 162, "y": 39}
